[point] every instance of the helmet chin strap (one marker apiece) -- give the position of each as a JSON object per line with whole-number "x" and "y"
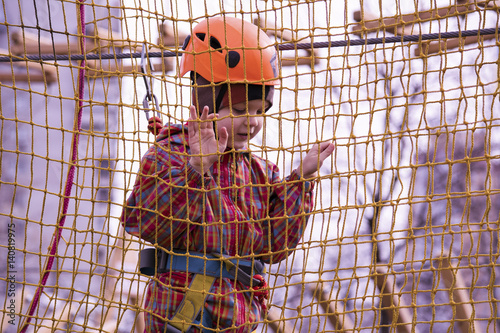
{"x": 214, "y": 105}
{"x": 220, "y": 96}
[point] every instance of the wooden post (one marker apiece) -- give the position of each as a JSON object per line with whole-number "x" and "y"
{"x": 391, "y": 304}
{"x": 57, "y": 321}
{"x": 117, "y": 257}
{"x": 334, "y": 310}
{"x": 275, "y": 321}
{"x": 170, "y": 37}
{"x": 459, "y": 294}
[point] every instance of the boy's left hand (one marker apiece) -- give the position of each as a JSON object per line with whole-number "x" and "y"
{"x": 202, "y": 140}
{"x": 314, "y": 159}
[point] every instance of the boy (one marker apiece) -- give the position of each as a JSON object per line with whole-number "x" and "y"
{"x": 214, "y": 211}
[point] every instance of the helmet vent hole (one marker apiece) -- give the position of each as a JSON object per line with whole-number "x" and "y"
{"x": 186, "y": 42}
{"x": 201, "y": 36}
{"x": 232, "y": 59}
{"x": 214, "y": 43}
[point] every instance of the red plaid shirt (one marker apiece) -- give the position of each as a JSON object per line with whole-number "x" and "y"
{"x": 241, "y": 207}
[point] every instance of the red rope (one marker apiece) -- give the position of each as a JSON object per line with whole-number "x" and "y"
{"x": 70, "y": 177}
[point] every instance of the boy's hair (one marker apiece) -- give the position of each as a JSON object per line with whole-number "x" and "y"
{"x": 218, "y": 96}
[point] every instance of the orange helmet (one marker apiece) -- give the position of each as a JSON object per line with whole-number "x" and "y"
{"x": 228, "y": 49}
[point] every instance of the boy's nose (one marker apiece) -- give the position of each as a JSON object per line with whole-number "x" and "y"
{"x": 251, "y": 120}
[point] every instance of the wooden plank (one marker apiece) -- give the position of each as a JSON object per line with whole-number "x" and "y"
{"x": 288, "y": 35}
{"x": 406, "y": 23}
{"x": 105, "y": 38}
{"x": 108, "y": 68}
{"x": 334, "y": 310}
{"x": 35, "y": 71}
{"x": 494, "y": 5}
{"x": 48, "y": 72}
{"x": 299, "y": 61}
{"x": 445, "y": 45}
{"x": 272, "y": 29}
{"x": 22, "y": 77}
{"x": 30, "y": 43}
{"x": 391, "y": 304}
{"x": 459, "y": 294}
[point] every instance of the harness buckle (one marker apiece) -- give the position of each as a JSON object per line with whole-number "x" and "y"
{"x": 152, "y": 261}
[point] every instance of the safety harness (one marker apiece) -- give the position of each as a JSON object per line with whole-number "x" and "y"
{"x": 206, "y": 269}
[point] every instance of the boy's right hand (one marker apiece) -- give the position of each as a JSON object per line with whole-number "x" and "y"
{"x": 202, "y": 140}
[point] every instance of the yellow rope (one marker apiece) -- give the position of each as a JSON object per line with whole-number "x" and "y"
{"x": 404, "y": 233}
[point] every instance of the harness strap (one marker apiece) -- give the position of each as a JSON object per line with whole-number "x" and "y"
{"x": 206, "y": 269}
{"x": 194, "y": 300}
{"x": 156, "y": 261}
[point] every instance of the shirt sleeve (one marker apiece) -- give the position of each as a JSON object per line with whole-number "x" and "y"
{"x": 157, "y": 210}
{"x": 290, "y": 205}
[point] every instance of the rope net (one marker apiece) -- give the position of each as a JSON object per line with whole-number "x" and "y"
{"x": 403, "y": 233}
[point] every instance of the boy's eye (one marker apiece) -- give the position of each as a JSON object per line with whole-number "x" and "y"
{"x": 242, "y": 112}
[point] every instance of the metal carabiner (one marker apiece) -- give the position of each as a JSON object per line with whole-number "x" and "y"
{"x": 150, "y": 96}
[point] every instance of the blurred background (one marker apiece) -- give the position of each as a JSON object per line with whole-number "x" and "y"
{"x": 404, "y": 233}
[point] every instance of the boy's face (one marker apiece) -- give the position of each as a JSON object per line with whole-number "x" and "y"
{"x": 242, "y": 123}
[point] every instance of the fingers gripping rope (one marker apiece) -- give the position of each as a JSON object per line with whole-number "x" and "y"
{"x": 155, "y": 123}
{"x": 261, "y": 291}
